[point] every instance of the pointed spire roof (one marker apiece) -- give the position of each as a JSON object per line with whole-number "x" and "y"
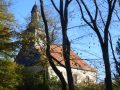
{"x": 35, "y": 1}
{"x": 35, "y": 13}
{"x": 35, "y": 8}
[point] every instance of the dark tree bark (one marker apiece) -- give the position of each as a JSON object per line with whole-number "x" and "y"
{"x": 117, "y": 62}
{"x": 59, "y": 74}
{"x": 103, "y": 41}
{"x": 63, "y": 13}
{"x": 117, "y": 65}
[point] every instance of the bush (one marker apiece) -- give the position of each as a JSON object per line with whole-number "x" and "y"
{"x": 10, "y": 75}
{"x": 54, "y": 83}
{"x": 15, "y": 77}
{"x": 116, "y": 84}
{"x": 90, "y": 86}
{"x": 34, "y": 81}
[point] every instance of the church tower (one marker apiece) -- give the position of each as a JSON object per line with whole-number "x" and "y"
{"x": 34, "y": 25}
{"x": 32, "y": 38}
{"x": 35, "y": 14}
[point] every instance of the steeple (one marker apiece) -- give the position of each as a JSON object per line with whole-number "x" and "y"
{"x": 34, "y": 9}
{"x": 35, "y": 13}
{"x": 29, "y": 54}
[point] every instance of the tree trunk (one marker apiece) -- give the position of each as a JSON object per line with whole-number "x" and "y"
{"x": 48, "y": 54}
{"x": 59, "y": 74}
{"x": 108, "y": 81}
{"x": 66, "y": 54}
{"x": 63, "y": 12}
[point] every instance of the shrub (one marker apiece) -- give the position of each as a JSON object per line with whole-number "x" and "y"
{"x": 10, "y": 75}
{"x": 90, "y": 86}
{"x": 116, "y": 84}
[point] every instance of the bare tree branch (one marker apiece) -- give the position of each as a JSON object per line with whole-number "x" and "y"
{"x": 116, "y": 62}
{"x": 117, "y": 15}
{"x": 55, "y": 6}
{"x": 83, "y": 14}
{"x": 58, "y": 62}
{"x": 96, "y": 13}
{"x": 111, "y": 8}
{"x": 59, "y": 74}
{"x": 103, "y": 41}
{"x": 94, "y": 26}
{"x": 86, "y": 8}
{"x": 101, "y": 17}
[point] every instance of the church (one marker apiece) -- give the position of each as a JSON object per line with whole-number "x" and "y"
{"x": 33, "y": 47}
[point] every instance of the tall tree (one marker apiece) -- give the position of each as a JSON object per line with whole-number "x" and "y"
{"x": 50, "y": 58}
{"x": 103, "y": 38}
{"x": 63, "y": 13}
{"x": 6, "y": 27}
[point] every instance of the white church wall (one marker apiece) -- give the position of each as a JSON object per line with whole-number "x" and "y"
{"x": 79, "y": 76}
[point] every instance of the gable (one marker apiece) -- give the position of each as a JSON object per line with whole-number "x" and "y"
{"x": 75, "y": 61}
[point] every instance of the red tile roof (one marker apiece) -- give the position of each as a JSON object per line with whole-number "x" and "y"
{"x": 75, "y": 61}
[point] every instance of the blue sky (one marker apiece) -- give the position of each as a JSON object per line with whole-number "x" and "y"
{"x": 21, "y": 9}
{"x": 87, "y": 47}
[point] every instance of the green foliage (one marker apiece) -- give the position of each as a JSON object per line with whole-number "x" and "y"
{"x": 15, "y": 77}
{"x": 116, "y": 84}
{"x": 34, "y": 81}
{"x": 31, "y": 81}
{"x": 10, "y": 75}
{"x": 90, "y": 86}
{"x": 7, "y": 25}
{"x": 54, "y": 83}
